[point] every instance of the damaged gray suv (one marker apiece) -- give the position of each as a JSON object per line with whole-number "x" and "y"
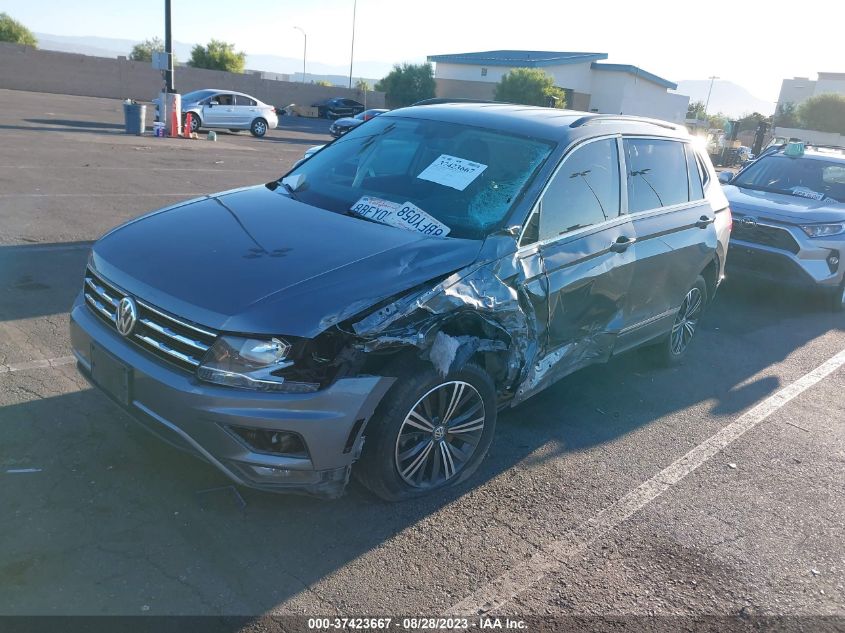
{"x": 370, "y": 312}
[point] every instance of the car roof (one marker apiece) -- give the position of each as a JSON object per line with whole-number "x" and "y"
{"x": 230, "y": 92}
{"x": 836, "y": 154}
{"x": 549, "y": 123}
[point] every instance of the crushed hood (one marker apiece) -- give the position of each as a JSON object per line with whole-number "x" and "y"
{"x": 783, "y": 208}
{"x": 255, "y": 261}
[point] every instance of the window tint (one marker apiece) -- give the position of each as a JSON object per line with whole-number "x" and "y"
{"x": 696, "y": 188}
{"x": 225, "y": 99}
{"x": 584, "y": 191}
{"x": 657, "y": 174}
{"x": 242, "y": 100}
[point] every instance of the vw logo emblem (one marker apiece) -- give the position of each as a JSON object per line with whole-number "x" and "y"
{"x": 749, "y": 222}
{"x": 126, "y": 316}
{"x": 439, "y": 433}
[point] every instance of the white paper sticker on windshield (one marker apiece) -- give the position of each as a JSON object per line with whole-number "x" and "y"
{"x": 805, "y": 192}
{"x": 404, "y": 216}
{"x": 452, "y": 171}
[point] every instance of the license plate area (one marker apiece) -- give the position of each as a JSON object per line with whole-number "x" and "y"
{"x": 111, "y": 375}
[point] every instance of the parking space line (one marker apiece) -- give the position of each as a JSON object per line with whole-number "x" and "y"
{"x": 37, "y": 364}
{"x": 501, "y": 590}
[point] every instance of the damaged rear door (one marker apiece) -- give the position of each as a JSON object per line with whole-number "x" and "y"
{"x": 584, "y": 243}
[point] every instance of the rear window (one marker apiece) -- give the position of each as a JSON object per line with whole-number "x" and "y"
{"x": 696, "y": 179}
{"x": 242, "y": 100}
{"x": 657, "y": 174}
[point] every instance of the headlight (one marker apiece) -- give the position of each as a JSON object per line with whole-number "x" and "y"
{"x": 247, "y": 363}
{"x": 823, "y": 230}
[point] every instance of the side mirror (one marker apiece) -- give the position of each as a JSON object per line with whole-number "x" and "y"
{"x": 725, "y": 177}
{"x": 213, "y": 103}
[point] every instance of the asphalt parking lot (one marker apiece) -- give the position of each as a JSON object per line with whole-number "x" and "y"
{"x": 716, "y": 488}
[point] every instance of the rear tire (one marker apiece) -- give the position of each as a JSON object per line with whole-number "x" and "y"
{"x": 672, "y": 349}
{"x": 258, "y": 128}
{"x": 429, "y": 433}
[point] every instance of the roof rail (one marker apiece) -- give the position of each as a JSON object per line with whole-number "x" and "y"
{"x": 598, "y": 118}
{"x": 439, "y": 100}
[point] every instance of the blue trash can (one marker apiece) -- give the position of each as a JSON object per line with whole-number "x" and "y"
{"x": 135, "y": 118}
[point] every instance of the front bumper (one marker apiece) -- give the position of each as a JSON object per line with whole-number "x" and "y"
{"x": 808, "y": 268}
{"x": 197, "y": 416}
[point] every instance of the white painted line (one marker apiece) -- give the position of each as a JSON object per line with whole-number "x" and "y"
{"x": 21, "y": 471}
{"x": 37, "y": 364}
{"x": 501, "y": 590}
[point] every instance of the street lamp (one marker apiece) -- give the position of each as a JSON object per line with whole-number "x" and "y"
{"x": 352, "y": 51}
{"x": 707, "y": 104}
{"x": 304, "y": 49}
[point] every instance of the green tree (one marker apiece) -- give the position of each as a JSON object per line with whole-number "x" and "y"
{"x": 362, "y": 85}
{"x": 695, "y": 110}
{"x": 218, "y": 55}
{"x": 825, "y": 113}
{"x": 407, "y": 84}
{"x": 717, "y": 121}
{"x": 323, "y": 82}
{"x": 15, "y": 32}
{"x": 530, "y": 86}
{"x": 751, "y": 121}
{"x": 786, "y": 115}
{"x": 143, "y": 52}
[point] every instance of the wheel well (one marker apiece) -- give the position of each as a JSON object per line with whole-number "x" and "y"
{"x": 711, "y": 277}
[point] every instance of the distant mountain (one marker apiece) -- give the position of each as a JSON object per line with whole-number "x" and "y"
{"x": 727, "y": 97}
{"x": 317, "y": 71}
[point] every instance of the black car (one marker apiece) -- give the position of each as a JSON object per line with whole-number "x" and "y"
{"x": 342, "y": 126}
{"x": 370, "y": 312}
{"x": 338, "y": 107}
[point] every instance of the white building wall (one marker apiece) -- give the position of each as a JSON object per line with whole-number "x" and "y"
{"x": 575, "y": 77}
{"x": 796, "y": 90}
{"x": 622, "y": 93}
{"x": 833, "y": 82}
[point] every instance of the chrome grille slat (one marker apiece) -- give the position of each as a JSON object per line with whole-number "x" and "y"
{"x": 166, "y": 336}
{"x": 99, "y": 307}
{"x": 174, "y": 335}
{"x": 190, "y": 326}
{"x": 168, "y": 350}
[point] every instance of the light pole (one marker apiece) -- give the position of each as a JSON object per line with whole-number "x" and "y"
{"x": 352, "y": 52}
{"x": 304, "y": 49}
{"x": 712, "y": 78}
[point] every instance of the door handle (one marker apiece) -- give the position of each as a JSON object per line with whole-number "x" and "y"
{"x": 704, "y": 222}
{"x": 622, "y": 243}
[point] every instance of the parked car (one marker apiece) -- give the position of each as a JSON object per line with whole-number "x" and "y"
{"x": 373, "y": 309}
{"x": 342, "y": 126}
{"x": 338, "y": 107}
{"x": 789, "y": 214}
{"x": 226, "y": 109}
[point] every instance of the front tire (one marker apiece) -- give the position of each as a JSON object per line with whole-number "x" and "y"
{"x": 196, "y": 122}
{"x": 429, "y": 433}
{"x": 672, "y": 349}
{"x": 836, "y": 299}
{"x": 258, "y": 128}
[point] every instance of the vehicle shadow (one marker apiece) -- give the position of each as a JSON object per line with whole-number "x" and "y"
{"x": 116, "y": 503}
{"x": 40, "y": 279}
{"x": 92, "y": 125}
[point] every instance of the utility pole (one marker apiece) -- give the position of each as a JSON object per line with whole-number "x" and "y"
{"x": 352, "y": 52}
{"x": 712, "y": 78}
{"x": 168, "y": 48}
{"x": 304, "y": 49}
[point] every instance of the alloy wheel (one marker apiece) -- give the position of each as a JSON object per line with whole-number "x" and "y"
{"x": 260, "y": 128}
{"x": 440, "y": 434}
{"x": 686, "y": 321}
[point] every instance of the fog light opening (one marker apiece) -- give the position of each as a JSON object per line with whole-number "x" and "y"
{"x": 272, "y": 442}
{"x": 833, "y": 261}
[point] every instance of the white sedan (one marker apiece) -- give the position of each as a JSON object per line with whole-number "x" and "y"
{"x": 228, "y": 110}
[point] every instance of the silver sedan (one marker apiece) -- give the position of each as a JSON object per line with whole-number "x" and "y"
{"x": 226, "y": 109}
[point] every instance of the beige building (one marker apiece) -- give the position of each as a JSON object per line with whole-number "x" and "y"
{"x": 590, "y": 85}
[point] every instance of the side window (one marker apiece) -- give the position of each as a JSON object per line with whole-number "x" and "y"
{"x": 242, "y": 100}
{"x": 696, "y": 188}
{"x": 657, "y": 174}
{"x": 583, "y": 192}
{"x": 225, "y": 100}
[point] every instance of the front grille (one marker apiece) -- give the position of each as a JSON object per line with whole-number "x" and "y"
{"x": 765, "y": 235}
{"x": 166, "y": 336}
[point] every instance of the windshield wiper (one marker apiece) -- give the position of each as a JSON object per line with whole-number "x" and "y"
{"x": 289, "y": 189}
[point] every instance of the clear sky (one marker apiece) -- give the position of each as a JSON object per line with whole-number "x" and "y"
{"x": 755, "y": 43}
